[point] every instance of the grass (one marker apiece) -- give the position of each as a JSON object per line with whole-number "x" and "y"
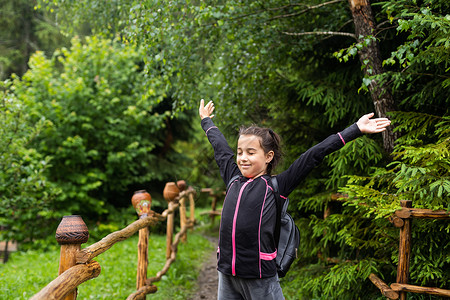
{"x": 26, "y": 273}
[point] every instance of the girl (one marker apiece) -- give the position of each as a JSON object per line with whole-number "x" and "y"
{"x": 247, "y": 248}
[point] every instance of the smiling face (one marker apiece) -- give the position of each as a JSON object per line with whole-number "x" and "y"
{"x": 251, "y": 159}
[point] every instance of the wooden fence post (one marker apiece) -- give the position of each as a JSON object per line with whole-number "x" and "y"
{"x": 183, "y": 217}
{"x": 404, "y": 251}
{"x": 70, "y": 234}
{"x": 191, "y": 207}
{"x": 141, "y": 275}
{"x": 142, "y": 202}
{"x": 213, "y": 208}
{"x": 171, "y": 191}
{"x": 169, "y": 231}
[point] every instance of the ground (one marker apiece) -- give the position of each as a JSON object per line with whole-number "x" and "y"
{"x": 207, "y": 279}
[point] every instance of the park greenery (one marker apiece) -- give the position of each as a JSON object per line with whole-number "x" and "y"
{"x": 117, "y": 280}
{"x": 107, "y": 105}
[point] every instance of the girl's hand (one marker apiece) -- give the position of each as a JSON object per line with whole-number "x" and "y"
{"x": 205, "y": 111}
{"x": 367, "y": 125}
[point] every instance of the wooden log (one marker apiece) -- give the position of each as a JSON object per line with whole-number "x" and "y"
{"x": 140, "y": 294}
{"x": 170, "y": 210}
{"x": 70, "y": 234}
{"x": 65, "y": 283}
{"x": 404, "y": 251}
{"x": 422, "y": 213}
{"x": 216, "y": 213}
{"x": 169, "y": 230}
{"x": 171, "y": 259}
{"x": 142, "y": 266}
{"x": 183, "y": 216}
{"x": 191, "y": 206}
{"x": 207, "y": 190}
{"x": 108, "y": 241}
{"x": 402, "y": 287}
{"x": 398, "y": 222}
{"x": 213, "y": 208}
{"x": 68, "y": 257}
{"x": 383, "y": 287}
{"x": 67, "y": 260}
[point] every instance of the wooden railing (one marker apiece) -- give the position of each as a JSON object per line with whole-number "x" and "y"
{"x": 77, "y": 266}
{"x": 403, "y": 219}
{"x": 216, "y": 194}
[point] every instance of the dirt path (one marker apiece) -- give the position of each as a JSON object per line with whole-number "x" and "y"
{"x": 207, "y": 279}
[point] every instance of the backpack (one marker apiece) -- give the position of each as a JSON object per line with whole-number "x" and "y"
{"x": 287, "y": 235}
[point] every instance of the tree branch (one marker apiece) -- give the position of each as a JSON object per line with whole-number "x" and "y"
{"x": 308, "y": 8}
{"x": 322, "y": 33}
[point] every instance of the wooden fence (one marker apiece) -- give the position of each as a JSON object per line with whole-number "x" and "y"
{"x": 76, "y": 264}
{"x": 402, "y": 219}
{"x": 216, "y": 195}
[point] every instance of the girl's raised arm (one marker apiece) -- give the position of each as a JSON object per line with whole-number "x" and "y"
{"x": 367, "y": 125}
{"x": 206, "y": 111}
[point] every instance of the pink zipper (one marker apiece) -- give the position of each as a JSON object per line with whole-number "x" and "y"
{"x": 259, "y": 228}
{"x": 233, "y": 234}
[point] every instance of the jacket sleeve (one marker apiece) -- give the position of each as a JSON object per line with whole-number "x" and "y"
{"x": 222, "y": 152}
{"x": 291, "y": 178}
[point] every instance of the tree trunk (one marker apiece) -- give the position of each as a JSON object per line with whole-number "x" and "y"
{"x": 370, "y": 56}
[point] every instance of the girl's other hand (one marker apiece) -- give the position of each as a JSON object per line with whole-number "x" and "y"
{"x": 367, "y": 125}
{"x": 206, "y": 111}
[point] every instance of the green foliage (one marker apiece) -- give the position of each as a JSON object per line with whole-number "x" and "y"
{"x": 112, "y": 129}
{"x": 419, "y": 172}
{"x": 422, "y": 58}
{"x": 247, "y": 58}
{"x": 23, "y": 30}
{"x": 25, "y": 191}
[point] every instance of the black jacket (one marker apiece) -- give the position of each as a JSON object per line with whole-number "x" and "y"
{"x": 246, "y": 243}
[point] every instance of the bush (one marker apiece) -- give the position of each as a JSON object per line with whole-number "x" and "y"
{"x": 25, "y": 192}
{"x": 111, "y": 129}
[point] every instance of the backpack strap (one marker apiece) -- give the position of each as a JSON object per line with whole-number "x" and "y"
{"x": 279, "y": 209}
{"x": 231, "y": 181}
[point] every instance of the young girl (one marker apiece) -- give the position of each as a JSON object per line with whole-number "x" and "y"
{"x": 247, "y": 248}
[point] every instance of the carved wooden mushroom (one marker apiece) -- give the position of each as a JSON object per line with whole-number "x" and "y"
{"x": 70, "y": 234}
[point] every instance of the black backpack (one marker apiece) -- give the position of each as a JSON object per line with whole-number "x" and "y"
{"x": 287, "y": 234}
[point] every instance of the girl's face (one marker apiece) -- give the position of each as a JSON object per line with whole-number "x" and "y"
{"x": 251, "y": 158}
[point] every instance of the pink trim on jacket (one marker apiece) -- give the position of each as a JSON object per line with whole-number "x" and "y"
{"x": 268, "y": 256}
{"x": 206, "y": 132}
{"x": 342, "y": 139}
{"x": 233, "y": 233}
{"x": 259, "y": 228}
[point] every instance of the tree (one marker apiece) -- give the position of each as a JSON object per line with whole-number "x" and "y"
{"x": 291, "y": 66}
{"x": 371, "y": 59}
{"x": 24, "y": 30}
{"x": 112, "y": 128}
{"x": 25, "y": 191}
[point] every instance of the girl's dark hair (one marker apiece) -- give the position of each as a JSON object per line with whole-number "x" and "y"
{"x": 269, "y": 141}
